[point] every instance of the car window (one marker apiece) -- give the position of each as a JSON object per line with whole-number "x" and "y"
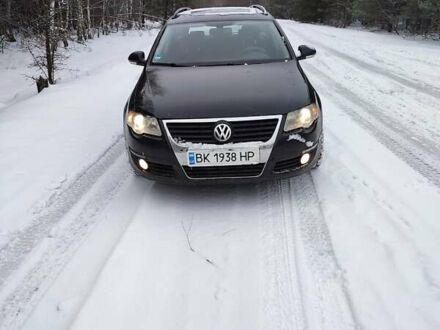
{"x": 217, "y": 43}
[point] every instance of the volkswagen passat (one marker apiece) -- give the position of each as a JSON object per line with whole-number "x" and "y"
{"x": 223, "y": 98}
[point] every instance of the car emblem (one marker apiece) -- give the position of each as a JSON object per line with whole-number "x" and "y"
{"x": 222, "y": 132}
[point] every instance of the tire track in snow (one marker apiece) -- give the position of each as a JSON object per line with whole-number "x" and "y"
{"x": 18, "y": 301}
{"x": 420, "y": 87}
{"x": 22, "y": 243}
{"x": 304, "y": 286}
{"x": 423, "y": 157}
{"x": 282, "y": 293}
{"x": 326, "y": 301}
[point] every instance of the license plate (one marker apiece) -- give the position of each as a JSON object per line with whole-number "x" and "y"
{"x": 223, "y": 157}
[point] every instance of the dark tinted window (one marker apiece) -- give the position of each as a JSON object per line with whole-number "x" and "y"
{"x": 214, "y": 43}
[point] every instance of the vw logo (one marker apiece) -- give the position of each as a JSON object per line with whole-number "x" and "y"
{"x": 222, "y": 132}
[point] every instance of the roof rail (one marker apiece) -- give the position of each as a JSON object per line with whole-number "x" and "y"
{"x": 179, "y": 11}
{"x": 261, "y": 8}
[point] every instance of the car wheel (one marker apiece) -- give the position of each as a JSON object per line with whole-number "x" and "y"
{"x": 318, "y": 159}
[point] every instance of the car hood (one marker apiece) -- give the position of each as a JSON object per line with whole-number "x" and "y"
{"x": 221, "y": 91}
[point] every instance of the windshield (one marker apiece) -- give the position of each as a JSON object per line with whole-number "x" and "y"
{"x": 221, "y": 43}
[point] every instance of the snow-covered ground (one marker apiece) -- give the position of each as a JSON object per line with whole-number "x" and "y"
{"x": 86, "y": 245}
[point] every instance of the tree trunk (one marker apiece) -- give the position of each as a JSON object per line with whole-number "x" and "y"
{"x": 50, "y": 43}
{"x": 89, "y": 21}
{"x": 141, "y": 9}
{"x": 49, "y": 59}
{"x": 9, "y": 32}
{"x": 80, "y": 22}
{"x": 67, "y": 22}
{"x": 104, "y": 2}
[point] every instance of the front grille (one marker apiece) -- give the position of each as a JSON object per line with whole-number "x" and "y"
{"x": 242, "y": 131}
{"x": 224, "y": 171}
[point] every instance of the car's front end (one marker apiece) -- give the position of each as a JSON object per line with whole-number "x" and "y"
{"x": 230, "y": 123}
{"x": 260, "y": 148}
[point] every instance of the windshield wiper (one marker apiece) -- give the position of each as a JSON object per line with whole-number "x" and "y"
{"x": 221, "y": 64}
{"x": 175, "y": 65}
{"x": 199, "y": 64}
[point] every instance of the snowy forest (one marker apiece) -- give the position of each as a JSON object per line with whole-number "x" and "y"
{"x": 90, "y": 18}
{"x": 45, "y": 26}
{"x": 408, "y": 16}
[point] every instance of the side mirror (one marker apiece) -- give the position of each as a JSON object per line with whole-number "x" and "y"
{"x": 306, "y": 52}
{"x": 137, "y": 58}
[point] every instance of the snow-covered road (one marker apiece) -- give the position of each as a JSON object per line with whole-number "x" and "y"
{"x": 86, "y": 245}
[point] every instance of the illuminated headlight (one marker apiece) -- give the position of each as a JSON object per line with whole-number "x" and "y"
{"x": 302, "y": 118}
{"x": 143, "y": 124}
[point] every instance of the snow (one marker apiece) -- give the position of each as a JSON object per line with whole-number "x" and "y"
{"x": 47, "y": 146}
{"x": 298, "y": 137}
{"x": 84, "y": 244}
{"x": 14, "y": 86}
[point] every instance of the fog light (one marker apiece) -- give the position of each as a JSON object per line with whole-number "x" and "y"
{"x": 143, "y": 164}
{"x": 305, "y": 159}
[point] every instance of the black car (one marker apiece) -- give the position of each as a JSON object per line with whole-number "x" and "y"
{"x": 222, "y": 98}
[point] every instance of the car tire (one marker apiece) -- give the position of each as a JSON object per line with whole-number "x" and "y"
{"x": 318, "y": 160}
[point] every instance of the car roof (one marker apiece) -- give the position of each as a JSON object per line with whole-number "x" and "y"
{"x": 187, "y": 15}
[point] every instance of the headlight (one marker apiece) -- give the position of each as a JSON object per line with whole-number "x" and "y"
{"x": 143, "y": 124}
{"x": 302, "y": 118}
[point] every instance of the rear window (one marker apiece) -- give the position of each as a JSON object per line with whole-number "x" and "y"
{"x": 217, "y": 43}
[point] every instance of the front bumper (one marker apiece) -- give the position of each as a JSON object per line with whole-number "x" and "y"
{"x": 280, "y": 157}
